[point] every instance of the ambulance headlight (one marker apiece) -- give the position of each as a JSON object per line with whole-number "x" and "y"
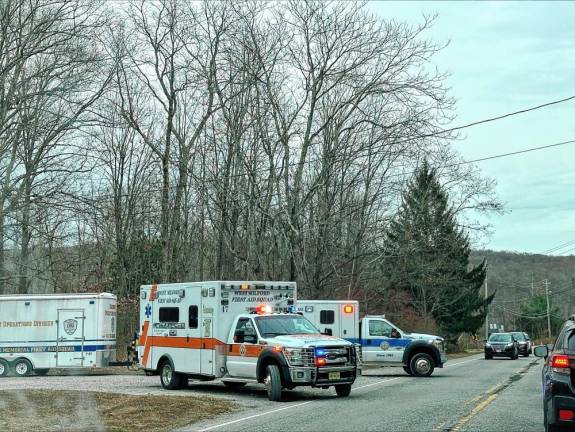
{"x": 294, "y": 356}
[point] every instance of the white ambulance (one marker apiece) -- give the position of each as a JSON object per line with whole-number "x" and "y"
{"x": 40, "y": 332}
{"x": 239, "y": 332}
{"x": 382, "y": 342}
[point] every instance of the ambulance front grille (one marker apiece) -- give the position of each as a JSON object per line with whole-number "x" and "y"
{"x": 336, "y": 356}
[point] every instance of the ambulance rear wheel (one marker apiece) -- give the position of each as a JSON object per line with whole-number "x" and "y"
{"x": 273, "y": 383}
{"x": 343, "y": 390}
{"x": 170, "y": 379}
{"x": 407, "y": 370}
{"x": 22, "y": 367}
{"x": 4, "y": 368}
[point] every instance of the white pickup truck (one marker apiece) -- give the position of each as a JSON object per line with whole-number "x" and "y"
{"x": 382, "y": 343}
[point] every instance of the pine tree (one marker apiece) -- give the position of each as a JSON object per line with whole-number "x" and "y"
{"x": 428, "y": 257}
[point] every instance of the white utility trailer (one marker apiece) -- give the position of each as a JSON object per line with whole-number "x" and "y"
{"x": 41, "y": 332}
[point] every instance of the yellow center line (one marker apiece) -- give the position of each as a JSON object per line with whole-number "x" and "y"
{"x": 480, "y": 407}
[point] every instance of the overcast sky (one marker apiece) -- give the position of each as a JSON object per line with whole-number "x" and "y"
{"x": 503, "y": 57}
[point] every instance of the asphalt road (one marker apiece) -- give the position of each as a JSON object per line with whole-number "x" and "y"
{"x": 470, "y": 394}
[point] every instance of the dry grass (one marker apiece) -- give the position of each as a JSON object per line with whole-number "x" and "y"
{"x": 56, "y": 410}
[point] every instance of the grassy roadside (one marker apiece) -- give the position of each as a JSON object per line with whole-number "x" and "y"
{"x": 56, "y": 410}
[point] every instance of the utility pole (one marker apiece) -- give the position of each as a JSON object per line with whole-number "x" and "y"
{"x": 487, "y": 313}
{"x": 546, "y": 282}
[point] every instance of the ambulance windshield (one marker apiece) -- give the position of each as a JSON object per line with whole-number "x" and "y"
{"x": 270, "y": 326}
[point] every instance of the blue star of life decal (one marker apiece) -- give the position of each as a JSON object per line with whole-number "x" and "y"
{"x": 148, "y": 311}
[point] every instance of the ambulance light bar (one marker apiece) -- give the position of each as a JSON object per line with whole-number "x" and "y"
{"x": 263, "y": 309}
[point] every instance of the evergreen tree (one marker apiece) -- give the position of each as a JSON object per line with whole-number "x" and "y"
{"x": 428, "y": 257}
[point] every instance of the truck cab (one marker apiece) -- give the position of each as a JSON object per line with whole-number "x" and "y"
{"x": 382, "y": 342}
{"x": 286, "y": 351}
{"x": 240, "y": 333}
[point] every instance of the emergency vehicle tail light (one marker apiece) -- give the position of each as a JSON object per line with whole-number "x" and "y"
{"x": 348, "y": 308}
{"x": 566, "y": 415}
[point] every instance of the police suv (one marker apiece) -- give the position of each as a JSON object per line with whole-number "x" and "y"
{"x": 238, "y": 332}
{"x": 382, "y": 343}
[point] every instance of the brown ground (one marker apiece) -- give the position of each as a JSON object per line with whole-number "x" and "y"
{"x": 56, "y": 410}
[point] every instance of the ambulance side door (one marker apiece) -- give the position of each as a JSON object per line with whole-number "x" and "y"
{"x": 243, "y": 349}
{"x": 193, "y": 338}
{"x": 328, "y": 317}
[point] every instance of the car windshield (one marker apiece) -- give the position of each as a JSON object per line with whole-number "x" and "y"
{"x": 519, "y": 337}
{"x": 284, "y": 325}
{"x": 500, "y": 337}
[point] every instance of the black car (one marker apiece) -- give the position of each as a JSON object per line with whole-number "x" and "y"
{"x": 559, "y": 380}
{"x": 501, "y": 345}
{"x": 523, "y": 343}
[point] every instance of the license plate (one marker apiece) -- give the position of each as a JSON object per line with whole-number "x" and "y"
{"x": 334, "y": 376}
{"x": 497, "y": 349}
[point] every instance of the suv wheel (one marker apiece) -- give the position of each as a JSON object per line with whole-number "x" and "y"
{"x": 273, "y": 383}
{"x": 170, "y": 379}
{"x": 421, "y": 365}
{"x": 343, "y": 390}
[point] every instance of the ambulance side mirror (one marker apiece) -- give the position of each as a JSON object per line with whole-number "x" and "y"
{"x": 327, "y": 332}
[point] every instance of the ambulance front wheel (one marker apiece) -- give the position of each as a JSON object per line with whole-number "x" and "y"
{"x": 273, "y": 383}
{"x": 343, "y": 390}
{"x": 170, "y": 379}
{"x": 4, "y": 368}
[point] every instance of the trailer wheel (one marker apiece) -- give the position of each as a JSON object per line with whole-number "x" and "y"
{"x": 421, "y": 365}
{"x": 343, "y": 390}
{"x": 170, "y": 379}
{"x": 4, "y": 368}
{"x": 273, "y": 383}
{"x": 41, "y": 372}
{"x": 22, "y": 367}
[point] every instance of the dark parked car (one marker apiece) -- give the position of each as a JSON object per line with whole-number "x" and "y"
{"x": 501, "y": 345}
{"x": 559, "y": 380}
{"x": 523, "y": 343}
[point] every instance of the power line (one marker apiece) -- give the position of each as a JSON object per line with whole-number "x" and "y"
{"x": 507, "y": 115}
{"x": 513, "y": 153}
{"x": 560, "y": 246}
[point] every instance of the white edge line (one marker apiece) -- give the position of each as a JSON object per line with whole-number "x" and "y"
{"x": 255, "y": 416}
{"x": 308, "y": 402}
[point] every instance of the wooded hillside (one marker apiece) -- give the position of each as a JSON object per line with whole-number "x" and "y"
{"x": 518, "y": 277}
